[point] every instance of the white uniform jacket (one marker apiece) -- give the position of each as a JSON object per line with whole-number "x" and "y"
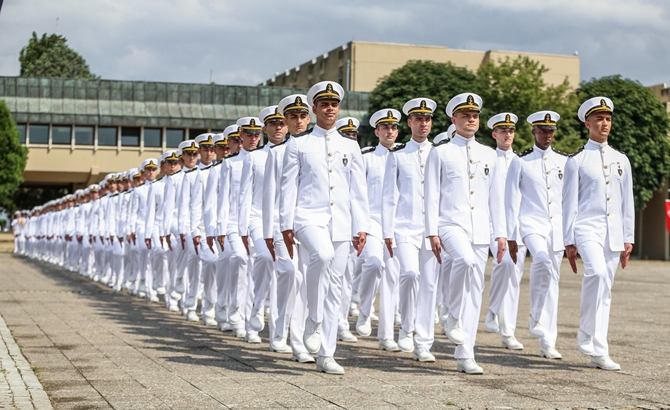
{"x": 271, "y": 178}
{"x": 251, "y": 191}
{"x": 375, "y": 166}
{"x": 154, "y": 220}
{"x": 598, "y": 197}
{"x": 534, "y": 195}
{"x": 402, "y": 193}
{"x": 323, "y": 184}
{"x": 170, "y": 205}
{"x": 229, "y": 193}
{"x": 210, "y": 207}
{"x": 465, "y": 189}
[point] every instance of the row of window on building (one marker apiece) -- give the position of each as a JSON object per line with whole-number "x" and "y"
{"x": 44, "y": 134}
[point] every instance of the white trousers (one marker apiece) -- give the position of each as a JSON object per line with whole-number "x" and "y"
{"x": 381, "y": 271}
{"x": 466, "y": 285}
{"x": 545, "y": 273}
{"x": 209, "y": 260}
{"x": 323, "y": 275}
{"x": 600, "y": 265}
{"x": 233, "y": 280}
{"x": 159, "y": 264}
{"x": 417, "y": 267}
{"x": 262, "y": 270}
{"x": 193, "y": 270}
{"x": 347, "y": 288}
{"x": 504, "y": 290}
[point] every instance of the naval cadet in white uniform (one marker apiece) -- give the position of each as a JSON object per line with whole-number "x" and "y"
{"x": 506, "y": 275}
{"x": 379, "y": 270}
{"x": 291, "y": 291}
{"x": 464, "y": 199}
{"x": 533, "y": 202}
{"x": 323, "y": 200}
{"x": 599, "y": 223}
{"x": 403, "y": 226}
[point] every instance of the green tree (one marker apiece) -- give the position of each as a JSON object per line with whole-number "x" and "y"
{"x": 640, "y": 128}
{"x": 13, "y": 158}
{"x": 50, "y": 56}
{"x": 517, "y": 86}
{"x": 437, "y": 81}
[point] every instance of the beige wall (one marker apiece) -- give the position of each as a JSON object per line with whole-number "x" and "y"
{"x": 81, "y": 166}
{"x": 369, "y": 62}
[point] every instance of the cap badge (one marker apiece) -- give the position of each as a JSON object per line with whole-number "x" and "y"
{"x": 351, "y": 123}
{"x": 508, "y": 119}
{"x": 329, "y": 88}
{"x": 471, "y": 100}
{"x": 389, "y": 115}
{"x": 252, "y": 123}
{"x": 298, "y": 101}
{"x": 423, "y": 105}
{"x": 547, "y": 118}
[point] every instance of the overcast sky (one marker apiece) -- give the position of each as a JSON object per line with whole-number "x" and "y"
{"x": 246, "y": 42}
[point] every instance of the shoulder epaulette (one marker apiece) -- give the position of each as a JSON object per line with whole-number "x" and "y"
{"x": 398, "y": 147}
{"x": 367, "y": 150}
{"x": 191, "y": 170}
{"x": 281, "y": 143}
{"x": 576, "y": 152}
{"x": 233, "y": 155}
{"x": 559, "y": 152}
{"x": 526, "y": 152}
{"x": 620, "y": 152}
{"x": 346, "y": 136}
{"x": 444, "y": 141}
{"x": 302, "y": 134}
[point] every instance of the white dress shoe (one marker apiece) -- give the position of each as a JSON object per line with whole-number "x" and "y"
{"x": 252, "y": 338}
{"x": 389, "y": 345}
{"x": 209, "y": 321}
{"x": 257, "y": 320}
{"x": 363, "y": 325}
{"x": 469, "y": 366}
{"x": 346, "y": 336}
{"x": 374, "y": 317}
{"x": 154, "y": 299}
{"x": 302, "y": 357}
{"x": 406, "y": 341}
{"x": 225, "y": 326}
{"x": 278, "y": 344}
{"x": 328, "y": 365}
{"x": 423, "y": 355}
{"x": 354, "y": 312}
{"x": 604, "y": 362}
{"x": 491, "y": 322}
{"x": 312, "y": 336}
{"x": 161, "y": 290}
{"x": 234, "y": 316}
{"x": 585, "y": 343}
{"x": 535, "y": 329}
{"x": 241, "y": 333}
{"x": 173, "y": 308}
{"x": 141, "y": 294}
{"x": 397, "y": 320}
{"x": 191, "y": 316}
{"x": 510, "y": 342}
{"x": 175, "y": 296}
{"x": 455, "y": 331}
{"x": 550, "y": 353}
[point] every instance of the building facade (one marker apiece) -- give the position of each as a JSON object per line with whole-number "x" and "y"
{"x": 359, "y": 65}
{"x": 77, "y": 131}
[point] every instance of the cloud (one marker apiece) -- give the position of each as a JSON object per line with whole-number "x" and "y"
{"x": 247, "y": 42}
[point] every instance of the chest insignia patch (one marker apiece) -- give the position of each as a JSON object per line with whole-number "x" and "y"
{"x": 345, "y": 161}
{"x": 486, "y": 169}
{"x": 560, "y": 174}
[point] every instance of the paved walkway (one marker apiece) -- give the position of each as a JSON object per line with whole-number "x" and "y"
{"x": 94, "y": 348}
